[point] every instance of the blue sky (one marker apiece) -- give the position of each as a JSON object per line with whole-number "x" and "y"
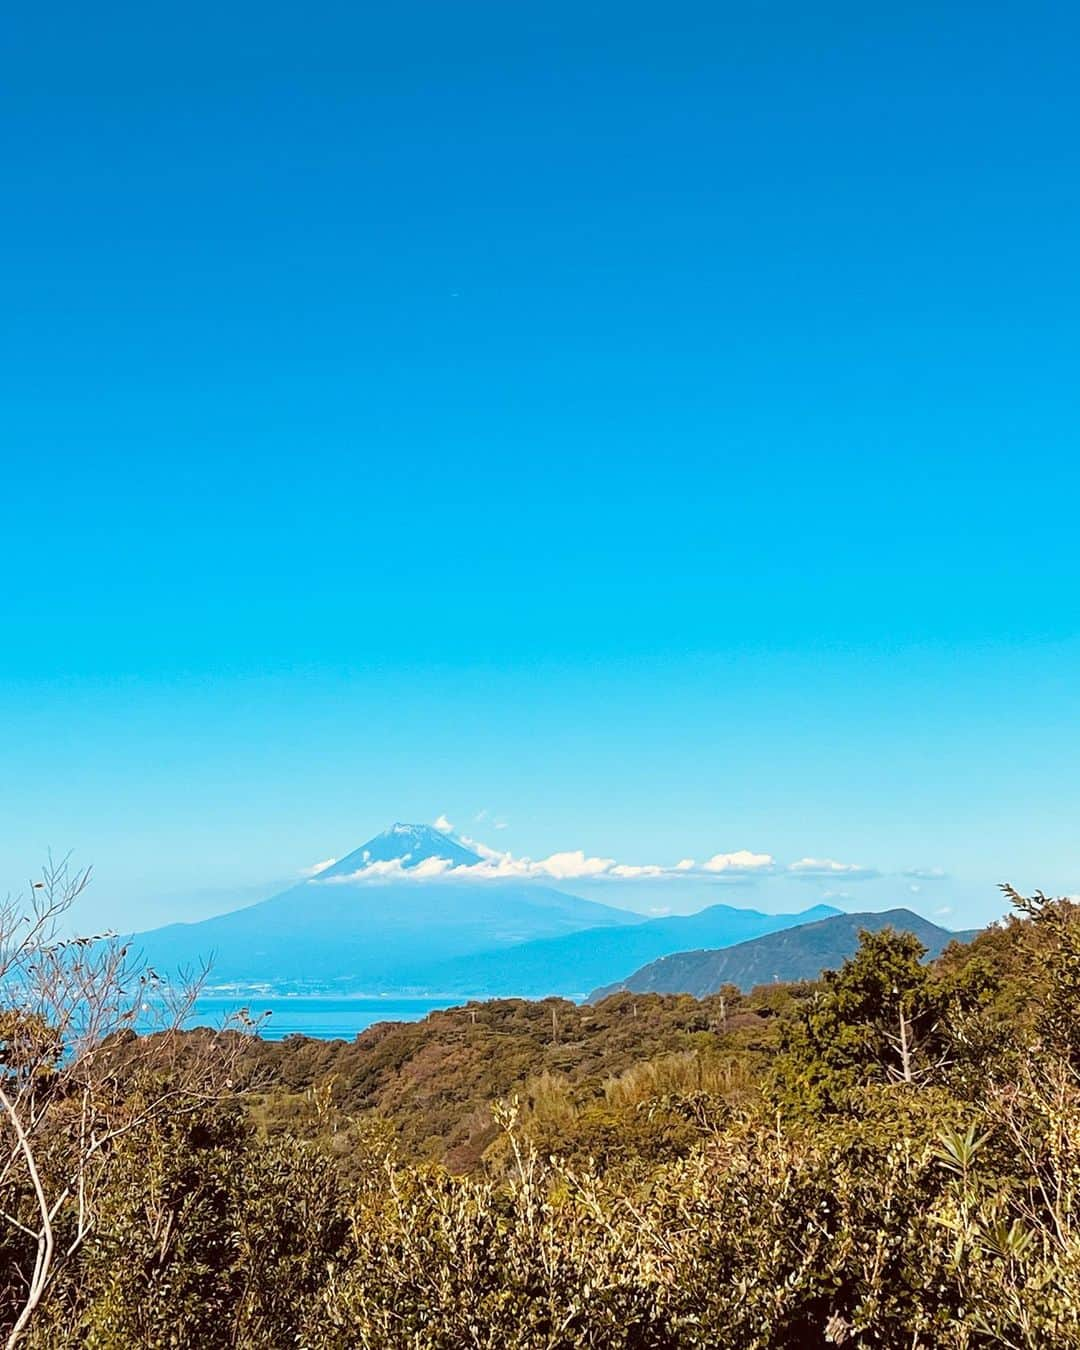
{"x": 655, "y": 427}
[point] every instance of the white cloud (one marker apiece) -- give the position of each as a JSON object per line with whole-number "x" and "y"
{"x": 431, "y": 867}
{"x": 739, "y": 866}
{"x": 927, "y": 874}
{"x": 316, "y": 868}
{"x": 484, "y": 815}
{"x": 829, "y": 867}
{"x": 740, "y": 861}
{"x": 575, "y": 864}
{"x": 485, "y": 850}
{"x": 376, "y": 871}
{"x": 568, "y": 865}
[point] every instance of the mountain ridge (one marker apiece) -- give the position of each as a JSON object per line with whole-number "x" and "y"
{"x": 793, "y": 954}
{"x": 572, "y": 964}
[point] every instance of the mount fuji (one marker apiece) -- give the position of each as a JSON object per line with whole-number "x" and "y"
{"x": 383, "y": 918}
{"x": 407, "y": 845}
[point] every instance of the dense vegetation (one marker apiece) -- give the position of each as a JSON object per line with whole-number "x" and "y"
{"x": 887, "y": 1158}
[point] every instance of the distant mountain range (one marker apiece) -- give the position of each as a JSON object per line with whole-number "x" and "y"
{"x": 338, "y": 933}
{"x": 346, "y": 931}
{"x": 800, "y": 953}
{"x": 573, "y": 964}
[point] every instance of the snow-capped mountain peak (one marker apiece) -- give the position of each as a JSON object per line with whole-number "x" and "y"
{"x": 409, "y": 845}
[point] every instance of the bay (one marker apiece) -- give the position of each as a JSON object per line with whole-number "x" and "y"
{"x": 309, "y": 1015}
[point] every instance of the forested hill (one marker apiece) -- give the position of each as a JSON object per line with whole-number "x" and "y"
{"x": 795, "y": 954}
{"x": 433, "y": 1082}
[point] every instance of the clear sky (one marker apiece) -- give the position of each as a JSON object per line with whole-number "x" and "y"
{"x": 655, "y": 426}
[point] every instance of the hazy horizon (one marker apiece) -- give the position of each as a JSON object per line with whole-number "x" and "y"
{"x": 759, "y": 882}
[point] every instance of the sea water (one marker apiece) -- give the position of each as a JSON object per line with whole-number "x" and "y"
{"x": 307, "y": 1015}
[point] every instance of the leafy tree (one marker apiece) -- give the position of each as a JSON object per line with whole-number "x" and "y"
{"x": 1055, "y": 954}
{"x": 881, "y": 1018}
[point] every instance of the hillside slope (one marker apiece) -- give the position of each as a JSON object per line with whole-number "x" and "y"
{"x": 794, "y": 954}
